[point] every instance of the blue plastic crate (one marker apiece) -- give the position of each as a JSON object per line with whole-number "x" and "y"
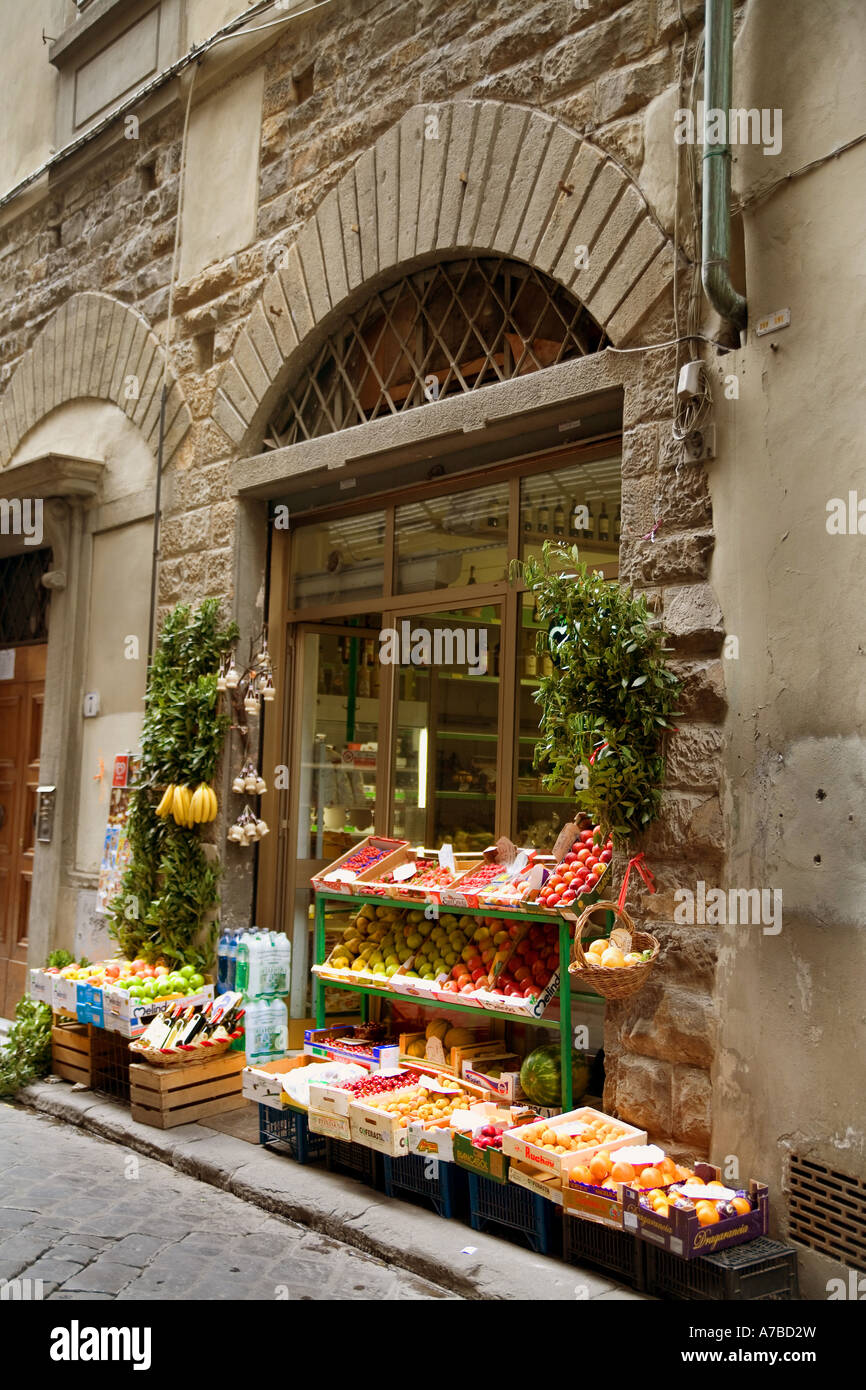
{"x": 355, "y": 1160}
{"x": 425, "y": 1178}
{"x": 514, "y": 1208}
{"x": 288, "y": 1131}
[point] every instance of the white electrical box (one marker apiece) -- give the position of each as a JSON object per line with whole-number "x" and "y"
{"x": 91, "y": 704}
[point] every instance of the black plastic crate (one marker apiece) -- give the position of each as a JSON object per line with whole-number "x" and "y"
{"x": 288, "y": 1131}
{"x": 425, "y": 1179}
{"x": 354, "y": 1160}
{"x": 760, "y": 1269}
{"x": 513, "y": 1209}
{"x": 615, "y": 1252}
{"x": 110, "y": 1059}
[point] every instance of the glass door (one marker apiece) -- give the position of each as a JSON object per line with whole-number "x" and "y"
{"x": 335, "y": 764}
{"x": 444, "y": 767}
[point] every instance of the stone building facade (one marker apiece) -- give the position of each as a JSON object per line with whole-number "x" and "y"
{"x": 327, "y": 157}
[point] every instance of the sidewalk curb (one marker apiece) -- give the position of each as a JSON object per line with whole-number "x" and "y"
{"x": 395, "y": 1232}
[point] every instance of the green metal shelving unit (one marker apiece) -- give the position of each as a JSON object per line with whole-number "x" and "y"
{"x": 562, "y": 1025}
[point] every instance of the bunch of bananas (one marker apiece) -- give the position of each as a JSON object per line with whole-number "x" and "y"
{"x": 188, "y": 807}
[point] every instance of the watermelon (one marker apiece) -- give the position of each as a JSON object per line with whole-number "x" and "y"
{"x": 541, "y": 1075}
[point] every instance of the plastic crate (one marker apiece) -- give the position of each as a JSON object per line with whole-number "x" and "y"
{"x": 761, "y": 1269}
{"x": 603, "y": 1247}
{"x": 288, "y": 1131}
{"x": 354, "y": 1160}
{"x": 426, "y": 1179}
{"x": 513, "y": 1209}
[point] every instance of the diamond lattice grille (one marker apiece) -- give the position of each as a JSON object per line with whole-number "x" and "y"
{"x": 24, "y": 598}
{"x": 444, "y": 331}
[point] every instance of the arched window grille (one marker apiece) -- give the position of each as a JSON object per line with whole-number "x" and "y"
{"x": 444, "y": 331}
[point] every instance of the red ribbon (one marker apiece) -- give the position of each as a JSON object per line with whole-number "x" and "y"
{"x": 645, "y": 872}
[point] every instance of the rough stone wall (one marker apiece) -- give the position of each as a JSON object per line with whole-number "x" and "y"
{"x": 110, "y": 228}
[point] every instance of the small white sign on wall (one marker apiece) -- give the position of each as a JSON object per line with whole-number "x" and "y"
{"x": 7, "y": 664}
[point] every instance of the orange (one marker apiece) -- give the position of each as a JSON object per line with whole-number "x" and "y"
{"x": 661, "y": 1208}
{"x": 622, "y": 1172}
{"x": 707, "y": 1213}
{"x": 609, "y": 1184}
{"x": 580, "y": 1173}
{"x": 741, "y": 1205}
{"x": 651, "y": 1177}
{"x": 599, "y": 1166}
{"x": 694, "y": 1178}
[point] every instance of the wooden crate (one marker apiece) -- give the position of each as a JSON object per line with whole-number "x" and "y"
{"x": 72, "y": 1051}
{"x": 168, "y": 1096}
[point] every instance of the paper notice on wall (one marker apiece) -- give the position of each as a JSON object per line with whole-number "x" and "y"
{"x": 116, "y": 853}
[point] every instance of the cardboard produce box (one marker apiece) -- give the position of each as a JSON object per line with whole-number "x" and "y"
{"x": 330, "y": 1125}
{"x": 487, "y": 1162}
{"x": 41, "y": 986}
{"x": 389, "y": 1133}
{"x": 546, "y": 1185}
{"x": 593, "y": 1204}
{"x": 542, "y": 1158}
{"x": 506, "y": 1085}
{"x": 682, "y": 1234}
{"x": 129, "y": 1017}
{"x": 325, "y": 1042}
{"x": 337, "y": 878}
{"x": 263, "y": 1083}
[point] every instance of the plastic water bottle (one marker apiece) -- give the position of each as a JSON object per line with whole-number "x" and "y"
{"x": 257, "y": 953}
{"x": 286, "y": 947}
{"x": 232, "y": 963}
{"x": 223, "y": 963}
{"x": 242, "y": 966}
{"x": 258, "y": 1029}
{"x": 279, "y": 1027}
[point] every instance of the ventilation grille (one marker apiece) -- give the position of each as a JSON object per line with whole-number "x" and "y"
{"x": 828, "y": 1211}
{"x": 24, "y": 598}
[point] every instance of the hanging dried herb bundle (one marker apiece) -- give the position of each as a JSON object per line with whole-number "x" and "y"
{"x": 608, "y": 704}
{"x": 170, "y": 887}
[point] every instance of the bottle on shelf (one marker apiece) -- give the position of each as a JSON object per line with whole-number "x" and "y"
{"x": 546, "y": 664}
{"x": 278, "y": 1018}
{"x": 603, "y": 523}
{"x": 223, "y": 962}
{"x": 589, "y": 528}
{"x": 617, "y": 524}
{"x": 530, "y": 660}
{"x": 575, "y": 530}
{"x": 528, "y": 516}
{"x": 559, "y": 519}
{"x": 543, "y": 521}
{"x": 472, "y": 579}
{"x": 496, "y": 651}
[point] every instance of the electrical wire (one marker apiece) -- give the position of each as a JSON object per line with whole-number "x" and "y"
{"x": 761, "y": 193}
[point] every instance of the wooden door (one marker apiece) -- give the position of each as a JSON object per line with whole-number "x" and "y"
{"x": 21, "y": 706}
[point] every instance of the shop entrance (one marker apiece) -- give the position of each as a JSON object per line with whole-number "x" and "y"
{"x": 21, "y": 707}
{"x": 410, "y": 667}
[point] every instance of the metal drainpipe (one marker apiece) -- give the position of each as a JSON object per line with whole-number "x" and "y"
{"x": 716, "y": 200}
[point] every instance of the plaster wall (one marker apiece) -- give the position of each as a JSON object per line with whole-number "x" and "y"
{"x": 788, "y": 1075}
{"x": 29, "y": 86}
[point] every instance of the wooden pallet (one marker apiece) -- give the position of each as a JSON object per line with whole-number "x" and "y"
{"x": 72, "y": 1051}
{"x": 168, "y": 1096}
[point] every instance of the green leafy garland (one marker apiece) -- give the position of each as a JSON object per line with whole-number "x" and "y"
{"x": 608, "y": 704}
{"x": 170, "y": 887}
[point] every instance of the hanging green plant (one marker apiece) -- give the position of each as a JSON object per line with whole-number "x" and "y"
{"x": 607, "y": 706}
{"x": 170, "y": 886}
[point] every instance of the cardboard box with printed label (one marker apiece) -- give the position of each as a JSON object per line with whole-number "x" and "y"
{"x": 129, "y": 1017}
{"x": 489, "y": 1161}
{"x": 41, "y": 986}
{"x": 546, "y": 1185}
{"x": 681, "y": 1233}
{"x": 437, "y": 1141}
{"x": 337, "y": 878}
{"x": 64, "y": 995}
{"x": 387, "y": 1131}
{"x": 330, "y": 1125}
{"x": 571, "y": 1124}
{"x": 326, "y": 1042}
{"x": 506, "y": 1085}
{"x": 263, "y": 1082}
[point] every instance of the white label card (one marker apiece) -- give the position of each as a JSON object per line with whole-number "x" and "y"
{"x": 404, "y": 871}
{"x": 446, "y": 858}
{"x": 622, "y": 938}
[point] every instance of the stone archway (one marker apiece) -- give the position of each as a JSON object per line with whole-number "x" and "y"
{"x": 97, "y": 347}
{"x": 458, "y": 176}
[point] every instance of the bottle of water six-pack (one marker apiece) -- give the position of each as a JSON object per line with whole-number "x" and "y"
{"x": 262, "y": 972}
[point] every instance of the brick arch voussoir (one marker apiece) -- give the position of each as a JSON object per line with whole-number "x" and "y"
{"x": 94, "y": 347}
{"x": 451, "y": 177}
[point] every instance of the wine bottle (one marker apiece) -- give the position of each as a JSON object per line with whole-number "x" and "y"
{"x": 603, "y": 523}
{"x": 559, "y": 519}
{"x": 588, "y": 529}
{"x": 617, "y": 524}
{"x": 544, "y": 519}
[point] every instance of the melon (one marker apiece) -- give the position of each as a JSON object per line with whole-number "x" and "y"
{"x": 541, "y": 1075}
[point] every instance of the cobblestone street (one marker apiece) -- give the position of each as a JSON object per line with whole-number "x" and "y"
{"x": 93, "y": 1221}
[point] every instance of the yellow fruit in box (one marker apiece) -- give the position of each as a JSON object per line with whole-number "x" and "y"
{"x": 416, "y": 1049}
{"x": 459, "y": 1037}
{"x": 437, "y": 1028}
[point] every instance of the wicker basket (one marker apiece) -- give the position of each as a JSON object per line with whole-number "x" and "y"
{"x": 180, "y": 1056}
{"x": 614, "y": 982}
